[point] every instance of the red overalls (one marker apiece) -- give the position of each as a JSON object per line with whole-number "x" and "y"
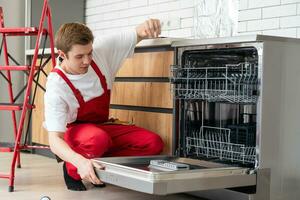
{"x": 88, "y": 137}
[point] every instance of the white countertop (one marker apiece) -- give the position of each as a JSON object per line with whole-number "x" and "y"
{"x": 178, "y": 42}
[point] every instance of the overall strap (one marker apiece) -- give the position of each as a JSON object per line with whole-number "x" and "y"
{"x": 70, "y": 84}
{"x": 100, "y": 75}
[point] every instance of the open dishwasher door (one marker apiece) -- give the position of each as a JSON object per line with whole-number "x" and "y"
{"x": 137, "y": 174}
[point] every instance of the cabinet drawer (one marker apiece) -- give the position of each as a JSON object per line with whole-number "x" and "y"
{"x": 148, "y": 94}
{"x": 160, "y": 123}
{"x": 149, "y": 64}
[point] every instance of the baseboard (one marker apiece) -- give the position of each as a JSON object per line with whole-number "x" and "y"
{"x": 43, "y": 152}
{"x": 6, "y": 144}
{"x": 6, "y": 147}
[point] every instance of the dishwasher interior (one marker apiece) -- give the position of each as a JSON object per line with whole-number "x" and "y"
{"x": 217, "y": 92}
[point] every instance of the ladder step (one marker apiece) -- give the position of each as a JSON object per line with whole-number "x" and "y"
{"x": 4, "y": 176}
{"x": 9, "y": 106}
{"x": 6, "y": 149}
{"x": 17, "y": 67}
{"x": 21, "y": 31}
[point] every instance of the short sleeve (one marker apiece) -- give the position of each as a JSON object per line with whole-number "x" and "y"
{"x": 115, "y": 48}
{"x": 56, "y": 109}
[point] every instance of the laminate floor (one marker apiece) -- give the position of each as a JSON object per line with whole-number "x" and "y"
{"x": 41, "y": 176}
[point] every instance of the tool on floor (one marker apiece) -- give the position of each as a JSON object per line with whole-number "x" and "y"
{"x": 45, "y": 198}
{"x": 33, "y": 72}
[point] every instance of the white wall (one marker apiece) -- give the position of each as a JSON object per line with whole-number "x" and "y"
{"x": 14, "y": 13}
{"x": 105, "y": 16}
{"x": 272, "y": 17}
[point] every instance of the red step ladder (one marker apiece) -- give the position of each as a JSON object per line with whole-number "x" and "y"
{"x": 32, "y": 71}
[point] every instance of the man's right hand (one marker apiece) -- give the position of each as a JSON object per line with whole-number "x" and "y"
{"x": 85, "y": 168}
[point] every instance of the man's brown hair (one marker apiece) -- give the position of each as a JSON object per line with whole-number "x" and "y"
{"x": 70, "y": 34}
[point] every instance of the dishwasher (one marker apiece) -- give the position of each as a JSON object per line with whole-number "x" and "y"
{"x": 234, "y": 123}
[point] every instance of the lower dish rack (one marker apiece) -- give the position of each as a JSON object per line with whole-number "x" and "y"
{"x": 214, "y": 142}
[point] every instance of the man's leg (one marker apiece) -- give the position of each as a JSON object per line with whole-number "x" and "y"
{"x": 89, "y": 141}
{"x": 128, "y": 140}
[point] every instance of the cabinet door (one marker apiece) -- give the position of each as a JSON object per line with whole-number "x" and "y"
{"x": 142, "y": 94}
{"x": 160, "y": 123}
{"x": 147, "y": 64}
{"x": 39, "y": 134}
{"x": 149, "y": 94}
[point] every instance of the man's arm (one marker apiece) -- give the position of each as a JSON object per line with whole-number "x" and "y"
{"x": 85, "y": 167}
{"x": 149, "y": 29}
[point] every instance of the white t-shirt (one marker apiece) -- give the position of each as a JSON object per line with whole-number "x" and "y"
{"x": 108, "y": 53}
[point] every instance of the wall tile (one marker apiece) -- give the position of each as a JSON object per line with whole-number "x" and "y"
{"x": 279, "y": 11}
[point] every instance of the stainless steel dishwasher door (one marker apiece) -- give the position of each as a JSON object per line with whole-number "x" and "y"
{"x": 134, "y": 173}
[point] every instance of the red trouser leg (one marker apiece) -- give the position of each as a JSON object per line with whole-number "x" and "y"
{"x": 93, "y": 141}
{"x": 132, "y": 141}
{"x": 89, "y": 141}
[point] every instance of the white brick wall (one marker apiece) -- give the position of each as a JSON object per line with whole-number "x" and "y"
{"x": 289, "y": 1}
{"x": 251, "y": 14}
{"x": 279, "y": 11}
{"x": 262, "y": 3}
{"x": 263, "y": 24}
{"x": 278, "y": 17}
{"x": 105, "y": 16}
{"x": 272, "y": 17}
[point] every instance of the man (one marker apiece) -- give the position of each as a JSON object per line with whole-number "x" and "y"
{"x": 77, "y": 101}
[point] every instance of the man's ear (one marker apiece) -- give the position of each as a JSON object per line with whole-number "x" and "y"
{"x": 61, "y": 54}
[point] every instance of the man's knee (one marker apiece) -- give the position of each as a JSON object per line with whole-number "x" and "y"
{"x": 88, "y": 140}
{"x": 156, "y": 144}
{"x": 98, "y": 143}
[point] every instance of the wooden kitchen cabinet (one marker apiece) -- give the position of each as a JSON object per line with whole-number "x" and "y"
{"x": 145, "y": 102}
{"x": 147, "y": 64}
{"x": 160, "y": 123}
{"x": 149, "y": 94}
{"x": 142, "y": 93}
{"x": 39, "y": 134}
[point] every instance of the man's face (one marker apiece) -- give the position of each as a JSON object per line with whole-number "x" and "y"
{"x": 78, "y": 59}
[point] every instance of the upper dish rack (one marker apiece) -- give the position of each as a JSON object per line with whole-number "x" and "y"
{"x": 231, "y": 83}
